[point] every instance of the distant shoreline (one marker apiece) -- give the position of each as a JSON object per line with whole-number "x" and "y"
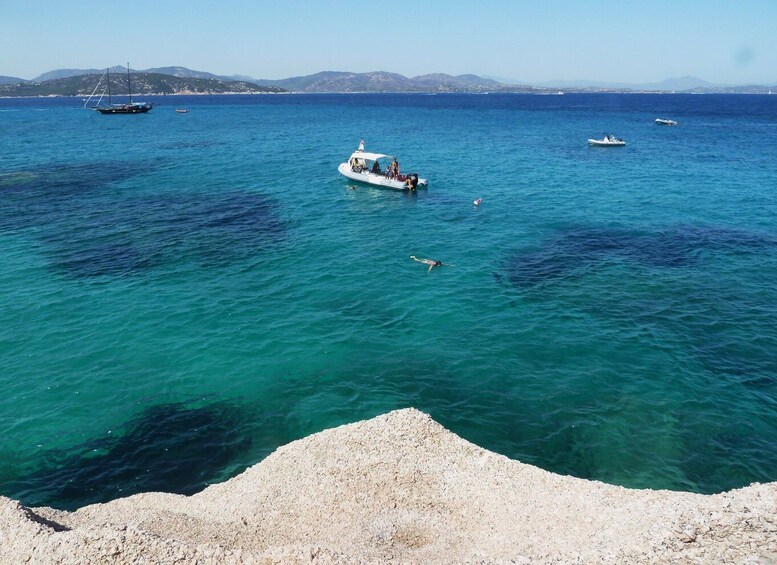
{"x": 150, "y": 94}
{"x": 520, "y": 93}
{"x": 177, "y": 79}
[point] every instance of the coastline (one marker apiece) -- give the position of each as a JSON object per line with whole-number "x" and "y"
{"x": 165, "y": 94}
{"x": 400, "y": 488}
{"x": 423, "y": 93}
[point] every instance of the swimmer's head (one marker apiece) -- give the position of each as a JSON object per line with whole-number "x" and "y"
{"x": 438, "y": 263}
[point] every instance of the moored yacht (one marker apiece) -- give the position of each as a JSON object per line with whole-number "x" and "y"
{"x": 128, "y": 108}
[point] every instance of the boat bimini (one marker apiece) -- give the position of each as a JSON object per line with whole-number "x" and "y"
{"x": 379, "y": 170}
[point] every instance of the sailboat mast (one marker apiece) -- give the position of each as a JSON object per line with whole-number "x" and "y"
{"x": 108, "y": 73}
{"x": 129, "y": 84}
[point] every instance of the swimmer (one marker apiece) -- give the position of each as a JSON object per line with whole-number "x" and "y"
{"x": 478, "y": 201}
{"x": 432, "y": 264}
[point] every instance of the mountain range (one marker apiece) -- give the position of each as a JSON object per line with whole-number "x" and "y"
{"x": 380, "y": 81}
{"x": 142, "y": 83}
{"x": 179, "y": 80}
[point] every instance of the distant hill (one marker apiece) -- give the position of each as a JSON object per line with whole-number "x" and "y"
{"x": 183, "y": 80}
{"x": 442, "y": 82}
{"x": 10, "y": 80}
{"x": 677, "y": 84}
{"x": 240, "y": 77}
{"x": 381, "y": 81}
{"x": 326, "y": 81}
{"x": 182, "y": 72}
{"x": 142, "y": 83}
{"x": 66, "y": 73}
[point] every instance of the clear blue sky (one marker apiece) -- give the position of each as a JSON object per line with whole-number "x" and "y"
{"x": 722, "y": 41}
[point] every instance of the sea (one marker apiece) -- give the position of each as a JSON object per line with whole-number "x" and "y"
{"x": 183, "y": 293}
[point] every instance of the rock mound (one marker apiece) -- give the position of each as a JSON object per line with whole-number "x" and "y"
{"x": 400, "y": 488}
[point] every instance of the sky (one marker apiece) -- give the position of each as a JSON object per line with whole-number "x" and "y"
{"x": 528, "y": 41}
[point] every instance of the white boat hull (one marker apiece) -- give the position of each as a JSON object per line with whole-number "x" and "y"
{"x": 602, "y": 143}
{"x": 376, "y": 179}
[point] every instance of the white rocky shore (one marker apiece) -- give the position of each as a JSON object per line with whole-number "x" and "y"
{"x": 400, "y": 488}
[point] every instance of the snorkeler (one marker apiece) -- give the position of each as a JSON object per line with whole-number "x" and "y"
{"x": 432, "y": 264}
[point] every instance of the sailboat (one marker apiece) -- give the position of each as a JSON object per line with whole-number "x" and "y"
{"x": 129, "y": 108}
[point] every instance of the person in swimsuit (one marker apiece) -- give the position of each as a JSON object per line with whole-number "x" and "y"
{"x": 432, "y": 264}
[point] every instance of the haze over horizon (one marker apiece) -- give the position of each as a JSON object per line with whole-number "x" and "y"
{"x": 726, "y": 43}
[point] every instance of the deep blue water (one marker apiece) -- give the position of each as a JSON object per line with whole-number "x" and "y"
{"x": 183, "y": 293}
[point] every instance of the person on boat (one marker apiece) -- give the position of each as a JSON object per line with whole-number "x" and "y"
{"x": 376, "y": 168}
{"x": 394, "y": 168}
{"x": 432, "y": 264}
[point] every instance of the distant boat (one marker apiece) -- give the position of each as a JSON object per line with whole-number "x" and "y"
{"x": 129, "y": 108}
{"x": 663, "y": 122}
{"x": 182, "y": 111}
{"x": 607, "y": 141}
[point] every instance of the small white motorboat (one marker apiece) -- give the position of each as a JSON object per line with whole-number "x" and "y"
{"x": 607, "y": 141}
{"x": 379, "y": 170}
{"x": 663, "y": 122}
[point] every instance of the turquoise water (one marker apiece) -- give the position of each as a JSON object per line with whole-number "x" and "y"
{"x": 183, "y": 293}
